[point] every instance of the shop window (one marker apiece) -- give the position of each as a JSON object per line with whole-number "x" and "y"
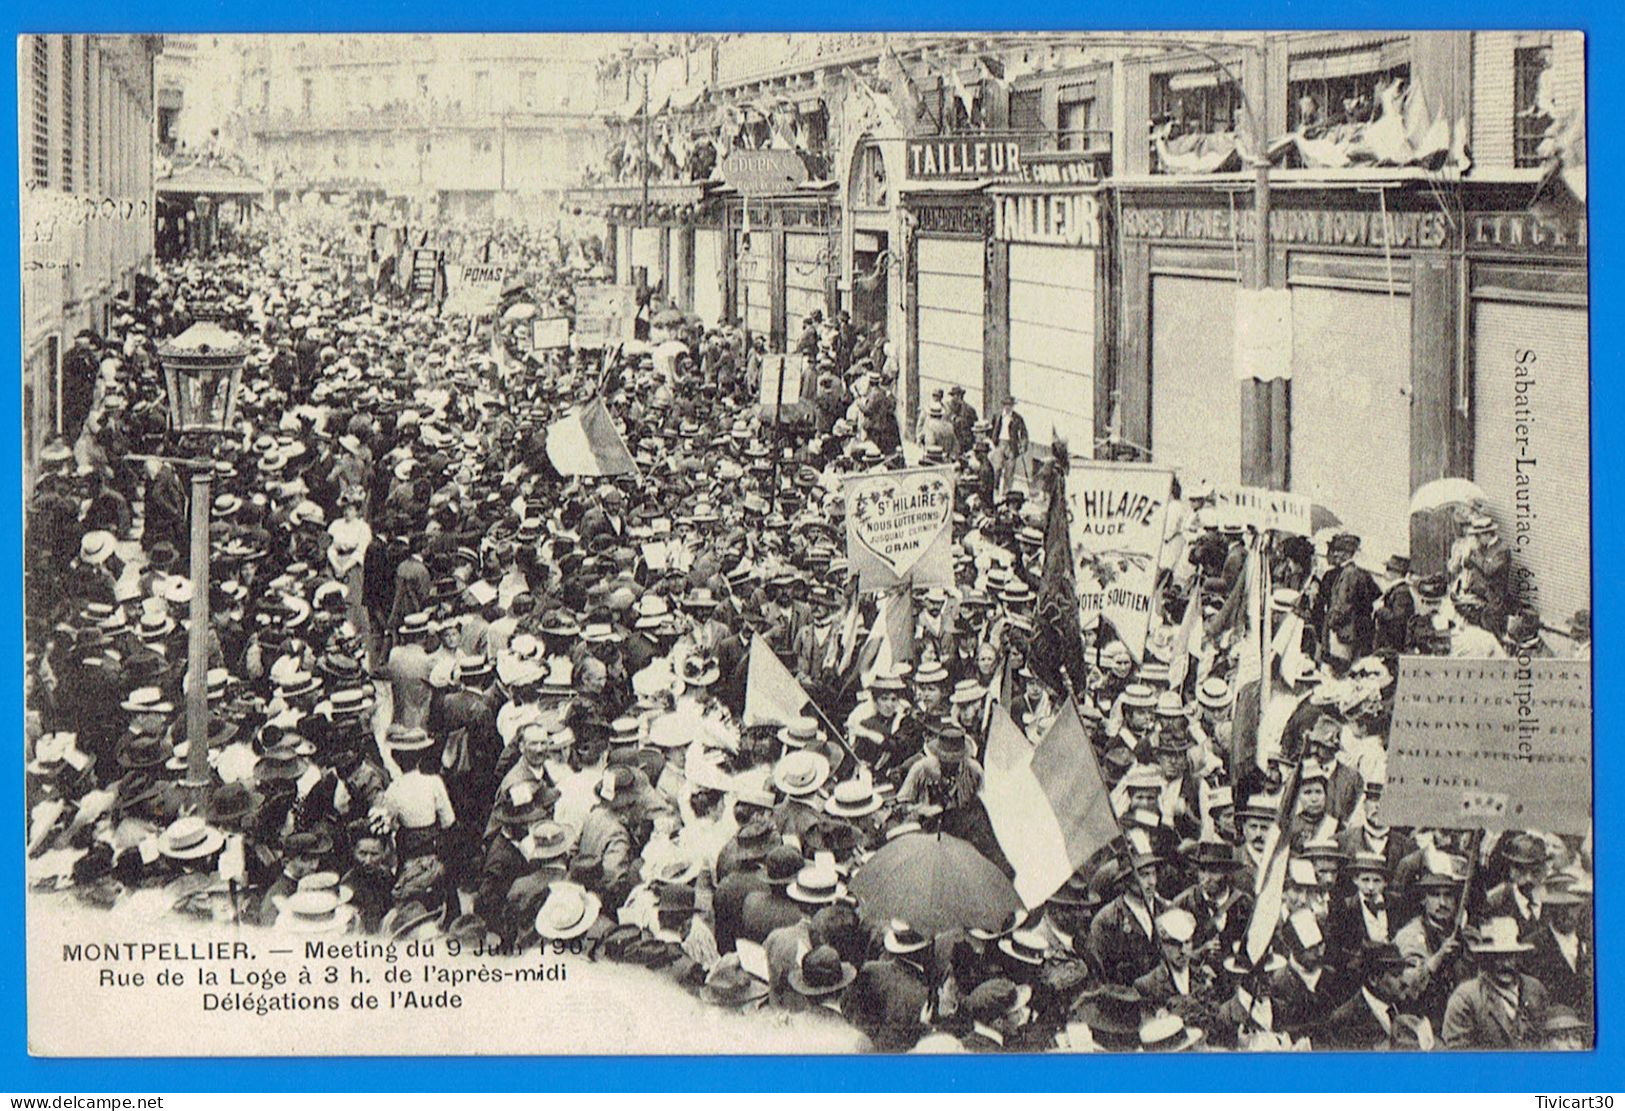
{"x": 1204, "y": 102}
{"x": 869, "y": 186}
{"x": 482, "y": 91}
{"x": 1533, "y": 110}
{"x": 1334, "y": 88}
{"x": 307, "y": 94}
{"x": 265, "y": 96}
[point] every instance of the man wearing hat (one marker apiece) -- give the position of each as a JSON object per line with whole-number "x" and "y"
{"x": 1360, "y": 918}
{"x": 1122, "y": 937}
{"x": 998, "y": 1009}
{"x": 1432, "y": 942}
{"x": 1480, "y": 563}
{"x": 946, "y": 777}
{"x": 1501, "y": 1007}
{"x": 1306, "y": 991}
{"x": 891, "y": 1000}
{"x": 1377, "y": 1016}
{"x": 1562, "y": 959}
{"x": 1519, "y": 896}
{"x": 1342, "y": 610}
{"x": 1178, "y": 975}
{"x": 1220, "y": 908}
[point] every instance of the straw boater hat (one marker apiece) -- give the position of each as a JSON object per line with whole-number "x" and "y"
{"x": 816, "y": 884}
{"x": 801, "y": 732}
{"x": 569, "y": 911}
{"x": 313, "y": 912}
{"x": 855, "y": 798}
{"x": 801, "y": 773}
{"x": 1499, "y": 935}
{"x": 190, "y": 839}
{"x": 903, "y": 939}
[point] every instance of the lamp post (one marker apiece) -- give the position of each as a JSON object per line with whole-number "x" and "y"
{"x": 203, "y": 368}
{"x": 644, "y": 56}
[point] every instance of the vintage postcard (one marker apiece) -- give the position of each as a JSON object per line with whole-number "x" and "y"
{"x": 814, "y": 543}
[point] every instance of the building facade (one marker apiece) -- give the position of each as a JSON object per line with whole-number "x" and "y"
{"x": 85, "y": 139}
{"x": 1084, "y": 226}
{"x": 466, "y": 126}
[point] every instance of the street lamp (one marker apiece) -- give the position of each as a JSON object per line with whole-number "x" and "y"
{"x": 203, "y": 368}
{"x": 644, "y": 56}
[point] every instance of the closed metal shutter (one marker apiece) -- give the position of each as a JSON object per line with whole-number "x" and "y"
{"x": 1551, "y": 343}
{"x": 1195, "y": 399}
{"x": 755, "y": 284}
{"x": 806, "y": 268}
{"x": 1052, "y": 343}
{"x": 950, "y": 296}
{"x": 646, "y": 253}
{"x": 708, "y": 275}
{"x": 623, "y": 256}
{"x": 1351, "y": 413}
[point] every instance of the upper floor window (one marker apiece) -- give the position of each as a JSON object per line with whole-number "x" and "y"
{"x": 1328, "y": 89}
{"x": 1532, "y": 103}
{"x": 1200, "y": 102}
{"x": 869, "y": 186}
{"x": 1075, "y": 119}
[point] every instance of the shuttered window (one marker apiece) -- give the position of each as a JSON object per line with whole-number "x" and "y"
{"x": 1551, "y": 344}
{"x": 1052, "y": 343}
{"x": 806, "y": 268}
{"x": 708, "y": 275}
{"x": 1195, "y": 399}
{"x": 1351, "y": 413}
{"x": 950, "y": 297}
{"x": 40, "y": 110}
{"x": 756, "y": 284}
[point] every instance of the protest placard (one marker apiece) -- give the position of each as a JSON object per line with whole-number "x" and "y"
{"x": 899, "y": 527}
{"x": 605, "y": 315}
{"x": 1263, "y": 509}
{"x": 548, "y": 332}
{"x": 1117, "y": 513}
{"x": 472, "y": 290}
{"x": 1490, "y": 744}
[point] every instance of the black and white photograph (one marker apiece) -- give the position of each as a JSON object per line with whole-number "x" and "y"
{"x": 815, "y": 543}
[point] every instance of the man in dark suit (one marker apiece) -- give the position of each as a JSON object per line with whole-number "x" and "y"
{"x": 1562, "y": 959}
{"x": 998, "y": 1009}
{"x": 891, "y": 997}
{"x": 1520, "y": 896}
{"x": 1372, "y": 1018}
{"x": 1176, "y": 975}
{"x": 1306, "y": 991}
{"x": 1342, "y": 613}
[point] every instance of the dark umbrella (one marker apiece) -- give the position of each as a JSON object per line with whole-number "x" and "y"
{"x": 935, "y": 883}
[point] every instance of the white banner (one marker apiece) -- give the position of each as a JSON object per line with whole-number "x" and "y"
{"x": 1263, "y": 509}
{"x": 1117, "y": 516}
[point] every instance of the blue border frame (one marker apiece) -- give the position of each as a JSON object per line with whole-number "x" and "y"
{"x": 1571, "y": 1073}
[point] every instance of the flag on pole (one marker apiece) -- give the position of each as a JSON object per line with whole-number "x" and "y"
{"x": 1270, "y": 884}
{"x": 891, "y": 637}
{"x": 772, "y": 695}
{"x": 1187, "y": 646}
{"x": 1050, "y": 810}
{"x": 1246, "y": 611}
{"x": 1057, "y": 643}
{"x": 586, "y": 442}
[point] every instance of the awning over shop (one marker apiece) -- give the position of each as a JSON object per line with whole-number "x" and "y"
{"x": 210, "y": 181}
{"x": 660, "y": 192}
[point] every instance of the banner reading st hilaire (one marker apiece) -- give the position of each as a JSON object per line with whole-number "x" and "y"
{"x": 899, "y": 527}
{"x": 1118, "y": 513}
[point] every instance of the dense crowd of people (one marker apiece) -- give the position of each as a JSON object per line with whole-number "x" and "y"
{"x": 452, "y": 690}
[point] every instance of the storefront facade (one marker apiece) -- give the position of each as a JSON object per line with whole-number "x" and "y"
{"x": 1527, "y": 392}
{"x": 1053, "y": 300}
{"x": 1407, "y": 315}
